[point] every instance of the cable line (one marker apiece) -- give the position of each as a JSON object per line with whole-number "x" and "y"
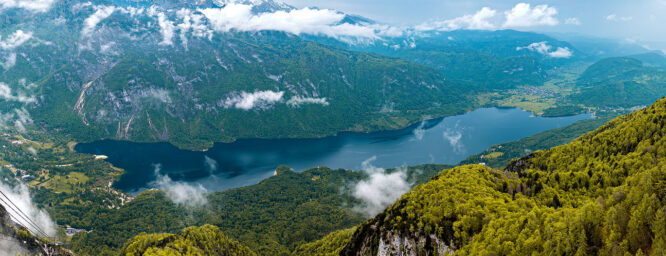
{"x": 21, "y": 212}
{"x": 24, "y": 216}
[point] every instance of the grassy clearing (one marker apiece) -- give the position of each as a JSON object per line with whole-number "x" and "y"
{"x": 61, "y": 183}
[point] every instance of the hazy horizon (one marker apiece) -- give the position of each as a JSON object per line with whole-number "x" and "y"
{"x": 634, "y": 22}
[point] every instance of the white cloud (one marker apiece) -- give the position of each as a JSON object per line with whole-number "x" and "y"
{"x": 31, "y": 5}
{"x": 479, "y": 21}
{"x": 8, "y": 44}
{"x": 6, "y": 94}
{"x": 545, "y": 49}
{"x": 17, "y": 118}
{"x": 166, "y": 29}
{"x": 14, "y": 40}
{"x": 297, "y": 101}
{"x": 194, "y": 23}
{"x": 453, "y": 137}
{"x": 107, "y": 48}
{"x": 10, "y": 61}
{"x": 572, "y": 21}
{"x": 540, "y": 47}
{"x": 614, "y": 17}
{"x": 388, "y": 31}
{"x": 11, "y": 246}
{"x": 419, "y": 132}
{"x": 380, "y": 189}
{"x": 211, "y": 164}
{"x": 239, "y": 17}
{"x": 180, "y": 192}
{"x": 100, "y": 14}
{"x": 20, "y": 196}
{"x": 523, "y": 15}
{"x": 247, "y": 101}
{"x": 158, "y": 94}
{"x": 22, "y": 118}
{"x": 561, "y": 52}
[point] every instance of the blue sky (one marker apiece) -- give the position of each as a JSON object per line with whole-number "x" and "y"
{"x": 642, "y": 21}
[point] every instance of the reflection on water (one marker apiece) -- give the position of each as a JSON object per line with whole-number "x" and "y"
{"x": 228, "y": 165}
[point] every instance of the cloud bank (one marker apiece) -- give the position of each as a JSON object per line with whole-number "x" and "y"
{"x": 523, "y": 15}
{"x": 297, "y": 101}
{"x": 98, "y": 16}
{"x": 380, "y": 189}
{"x": 8, "y": 44}
{"x": 10, "y": 60}
{"x": 192, "y": 23}
{"x": 6, "y": 94}
{"x": 101, "y": 13}
{"x": 180, "y": 193}
{"x": 481, "y": 20}
{"x": 31, "y": 5}
{"x": 166, "y": 29}
{"x": 614, "y": 17}
{"x": 17, "y": 118}
{"x": 545, "y": 49}
{"x": 573, "y": 21}
{"x": 239, "y": 17}
{"x": 20, "y": 196}
{"x": 14, "y": 40}
{"x": 11, "y": 247}
{"x": 254, "y": 100}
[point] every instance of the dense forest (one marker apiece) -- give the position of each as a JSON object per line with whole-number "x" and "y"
{"x": 602, "y": 194}
{"x": 619, "y": 82}
{"x": 196, "y": 73}
{"x": 204, "y": 240}
{"x": 272, "y": 217}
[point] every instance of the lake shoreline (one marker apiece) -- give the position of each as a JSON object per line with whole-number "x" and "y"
{"x": 446, "y": 140}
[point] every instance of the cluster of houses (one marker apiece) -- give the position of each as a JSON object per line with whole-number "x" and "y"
{"x": 72, "y": 231}
{"x": 23, "y": 173}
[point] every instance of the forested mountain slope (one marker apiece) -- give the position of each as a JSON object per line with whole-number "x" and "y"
{"x": 486, "y": 59}
{"x": 604, "y": 193}
{"x": 620, "y": 82}
{"x": 272, "y": 217}
{"x": 204, "y": 240}
{"x": 166, "y": 71}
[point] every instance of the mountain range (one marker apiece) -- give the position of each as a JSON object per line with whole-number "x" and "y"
{"x": 601, "y": 194}
{"x": 195, "y": 73}
{"x": 191, "y": 74}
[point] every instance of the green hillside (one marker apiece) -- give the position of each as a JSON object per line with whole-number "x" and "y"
{"x": 204, "y": 240}
{"x": 272, "y": 217}
{"x": 601, "y": 194}
{"x": 486, "y": 59}
{"x": 118, "y": 83}
{"x": 619, "y": 82}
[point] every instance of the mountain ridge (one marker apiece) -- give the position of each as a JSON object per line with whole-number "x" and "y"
{"x": 615, "y": 171}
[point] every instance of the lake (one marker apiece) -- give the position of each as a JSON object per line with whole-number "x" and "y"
{"x": 245, "y": 162}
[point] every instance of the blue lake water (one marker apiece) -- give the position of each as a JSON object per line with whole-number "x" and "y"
{"x": 228, "y": 165}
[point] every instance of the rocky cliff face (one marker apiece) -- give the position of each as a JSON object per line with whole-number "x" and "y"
{"x": 17, "y": 240}
{"x": 395, "y": 242}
